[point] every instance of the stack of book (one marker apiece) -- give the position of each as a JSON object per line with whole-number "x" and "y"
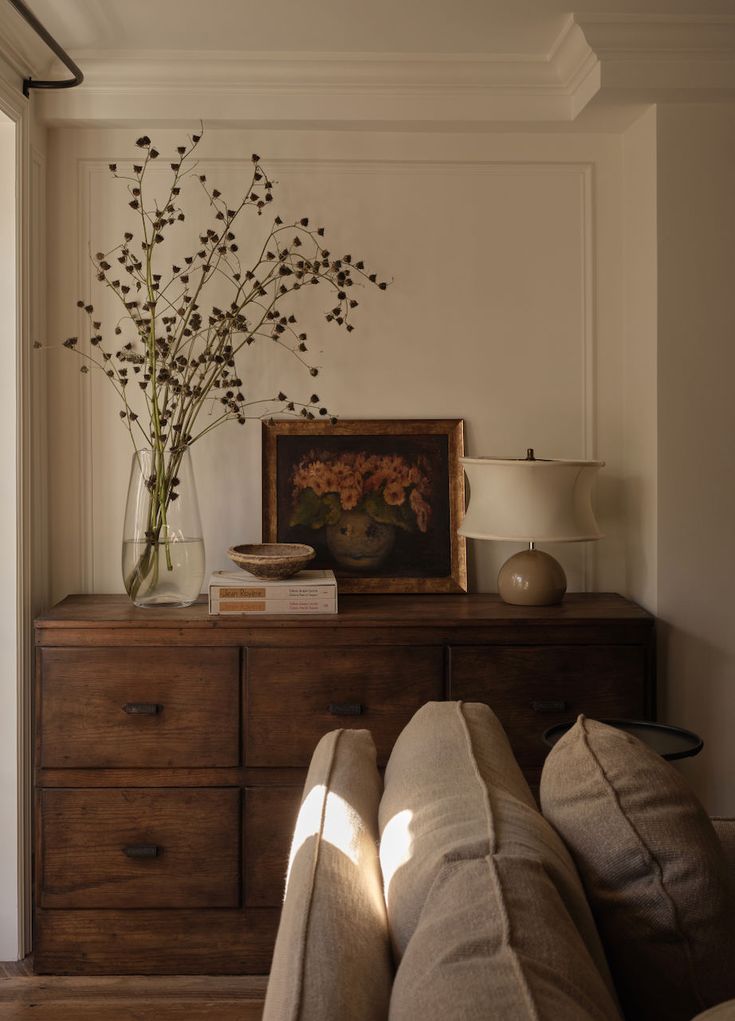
{"x": 239, "y": 592}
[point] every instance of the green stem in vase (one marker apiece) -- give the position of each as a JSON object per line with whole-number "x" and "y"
{"x": 173, "y": 355}
{"x": 161, "y": 490}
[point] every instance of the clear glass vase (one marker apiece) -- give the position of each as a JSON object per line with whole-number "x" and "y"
{"x": 163, "y": 548}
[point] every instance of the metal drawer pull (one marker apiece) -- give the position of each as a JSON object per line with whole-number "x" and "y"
{"x": 553, "y": 706}
{"x": 141, "y": 850}
{"x": 346, "y": 709}
{"x": 142, "y": 708}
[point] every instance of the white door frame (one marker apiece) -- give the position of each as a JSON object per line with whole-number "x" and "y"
{"x": 15, "y": 588}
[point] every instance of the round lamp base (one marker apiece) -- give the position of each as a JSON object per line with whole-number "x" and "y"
{"x": 532, "y": 578}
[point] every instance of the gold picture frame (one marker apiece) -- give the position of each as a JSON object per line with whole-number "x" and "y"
{"x": 354, "y": 487}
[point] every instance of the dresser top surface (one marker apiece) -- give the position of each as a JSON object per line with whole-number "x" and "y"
{"x": 455, "y": 610}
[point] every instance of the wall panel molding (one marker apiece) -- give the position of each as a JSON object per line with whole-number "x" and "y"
{"x": 582, "y": 172}
{"x": 39, "y": 383}
{"x": 589, "y": 341}
{"x": 85, "y": 291}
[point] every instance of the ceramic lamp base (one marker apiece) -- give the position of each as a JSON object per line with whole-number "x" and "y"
{"x": 532, "y": 578}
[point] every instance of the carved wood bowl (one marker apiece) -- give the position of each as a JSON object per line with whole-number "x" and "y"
{"x": 272, "y": 561}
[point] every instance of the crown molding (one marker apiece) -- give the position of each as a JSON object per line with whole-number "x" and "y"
{"x": 20, "y": 48}
{"x": 664, "y": 57}
{"x": 596, "y": 58}
{"x": 374, "y": 88}
{"x": 659, "y": 36}
{"x": 572, "y": 56}
{"x": 244, "y": 71}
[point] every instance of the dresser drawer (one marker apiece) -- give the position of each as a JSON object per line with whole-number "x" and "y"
{"x": 270, "y": 818}
{"x": 532, "y": 688}
{"x": 296, "y": 695}
{"x": 139, "y": 848}
{"x": 139, "y": 707}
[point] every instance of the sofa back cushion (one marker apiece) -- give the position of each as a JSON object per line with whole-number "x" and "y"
{"x": 332, "y": 957}
{"x": 485, "y": 908}
{"x": 653, "y": 868}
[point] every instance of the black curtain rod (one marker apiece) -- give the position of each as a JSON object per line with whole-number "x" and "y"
{"x": 38, "y": 28}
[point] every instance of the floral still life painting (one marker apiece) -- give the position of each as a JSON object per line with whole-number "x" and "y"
{"x": 380, "y": 501}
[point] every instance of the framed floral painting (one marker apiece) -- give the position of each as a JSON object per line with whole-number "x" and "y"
{"x": 379, "y": 500}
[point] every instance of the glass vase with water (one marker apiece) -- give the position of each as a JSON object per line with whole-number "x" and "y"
{"x": 163, "y": 548}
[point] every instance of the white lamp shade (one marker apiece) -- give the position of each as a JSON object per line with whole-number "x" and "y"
{"x": 530, "y": 501}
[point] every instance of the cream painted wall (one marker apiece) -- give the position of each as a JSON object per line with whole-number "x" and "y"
{"x": 639, "y": 342}
{"x": 551, "y": 289}
{"x": 696, "y": 426}
{"x": 35, "y": 486}
{"x": 9, "y": 691}
{"x": 38, "y": 356}
{"x": 505, "y": 310}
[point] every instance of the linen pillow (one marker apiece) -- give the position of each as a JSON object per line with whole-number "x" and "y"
{"x": 722, "y": 1012}
{"x": 652, "y": 866}
{"x": 486, "y": 911}
{"x": 332, "y": 957}
{"x": 725, "y": 830}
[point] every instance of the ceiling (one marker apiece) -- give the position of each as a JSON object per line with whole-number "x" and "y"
{"x": 501, "y": 27}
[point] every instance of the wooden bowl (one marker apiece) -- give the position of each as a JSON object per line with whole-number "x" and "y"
{"x": 272, "y": 561}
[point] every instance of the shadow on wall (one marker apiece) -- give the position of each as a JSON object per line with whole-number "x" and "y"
{"x": 690, "y": 695}
{"x": 609, "y": 558}
{"x": 637, "y": 565}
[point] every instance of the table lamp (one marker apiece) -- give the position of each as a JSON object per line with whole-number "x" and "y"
{"x": 530, "y": 500}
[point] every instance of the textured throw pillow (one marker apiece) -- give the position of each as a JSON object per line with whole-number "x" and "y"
{"x": 725, "y": 830}
{"x": 652, "y": 866}
{"x": 486, "y": 911}
{"x": 723, "y": 1012}
{"x": 332, "y": 958}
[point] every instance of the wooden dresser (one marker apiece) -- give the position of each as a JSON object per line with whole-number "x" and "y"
{"x": 171, "y": 748}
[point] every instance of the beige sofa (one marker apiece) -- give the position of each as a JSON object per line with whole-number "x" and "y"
{"x": 443, "y": 894}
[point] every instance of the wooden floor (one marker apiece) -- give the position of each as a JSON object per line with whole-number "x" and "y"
{"x": 28, "y": 997}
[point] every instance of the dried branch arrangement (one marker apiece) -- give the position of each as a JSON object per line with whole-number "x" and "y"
{"x": 182, "y": 351}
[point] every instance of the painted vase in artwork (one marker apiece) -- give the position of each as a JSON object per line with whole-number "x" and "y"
{"x": 362, "y": 501}
{"x": 358, "y": 542}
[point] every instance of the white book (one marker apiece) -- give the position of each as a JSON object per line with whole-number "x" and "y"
{"x": 253, "y": 607}
{"x": 239, "y": 592}
{"x": 304, "y": 580}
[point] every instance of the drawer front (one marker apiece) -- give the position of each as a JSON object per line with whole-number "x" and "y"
{"x": 530, "y": 688}
{"x": 270, "y": 818}
{"x": 297, "y": 695}
{"x": 134, "y": 707}
{"x": 140, "y": 848}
